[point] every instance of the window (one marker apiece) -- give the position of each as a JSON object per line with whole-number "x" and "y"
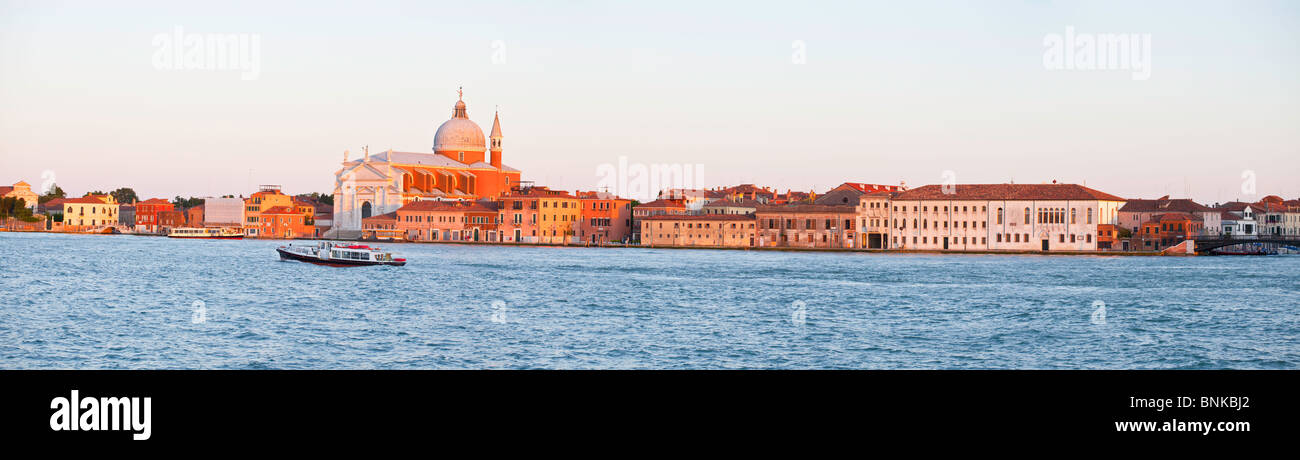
{"x": 999, "y": 216}
{"x": 1073, "y": 211}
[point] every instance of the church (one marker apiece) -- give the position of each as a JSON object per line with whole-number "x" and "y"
{"x": 458, "y": 169}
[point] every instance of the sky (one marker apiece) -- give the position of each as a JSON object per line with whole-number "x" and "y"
{"x": 794, "y": 95}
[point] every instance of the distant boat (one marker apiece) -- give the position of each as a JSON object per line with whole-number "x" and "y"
{"x": 1246, "y": 250}
{"x": 224, "y": 233}
{"x": 339, "y": 255}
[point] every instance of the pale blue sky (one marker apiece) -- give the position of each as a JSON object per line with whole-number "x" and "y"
{"x": 891, "y": 91}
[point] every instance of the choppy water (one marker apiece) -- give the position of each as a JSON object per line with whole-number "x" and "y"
{"x": 89, "y": 301}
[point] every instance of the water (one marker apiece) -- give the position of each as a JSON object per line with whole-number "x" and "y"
{"x": 95, "y": 301}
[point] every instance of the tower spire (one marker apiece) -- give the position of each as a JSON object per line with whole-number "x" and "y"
{"x": 495, "y": 140}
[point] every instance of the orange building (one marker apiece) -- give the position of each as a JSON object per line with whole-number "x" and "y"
{"x": 458, "y": 169}
{"x": 169, "y": 219}
{"x": 539, "y": 215}
{"x": 1107, "y": 237}
{"x": 1165, "y": 230}
{"x": 472, "y": 221}
{"x": 284, "y": 222}
{"x": 706, "y": 230}
{"x": 605, "y": 218}
{"x": 270, "y": 197}
{"x": 146, "y": 214}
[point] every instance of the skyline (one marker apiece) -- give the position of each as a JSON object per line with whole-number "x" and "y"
{"x": 888, "y": 92}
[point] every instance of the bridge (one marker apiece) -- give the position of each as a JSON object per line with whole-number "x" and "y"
{"x": 1208, "y": 243}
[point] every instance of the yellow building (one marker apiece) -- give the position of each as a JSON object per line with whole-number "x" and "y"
{"x": 89, "y": 212}
{"x": 268, "y": 197}
{"x": 21, "y": 190}
{"x": 558, "y": 216}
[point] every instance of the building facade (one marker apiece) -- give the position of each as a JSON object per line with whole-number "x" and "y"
{"x": 457, "y": 169}
{"x": 703, "y": 230}
{"x": 807, "y": 226}
{"x": 1000, "y": 217}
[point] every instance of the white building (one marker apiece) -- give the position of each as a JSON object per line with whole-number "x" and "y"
{"x": 1000, "y": 217}
{"x": 223, "y": 211}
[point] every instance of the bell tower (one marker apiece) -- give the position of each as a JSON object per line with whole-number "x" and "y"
{"x": 496, "y": 140}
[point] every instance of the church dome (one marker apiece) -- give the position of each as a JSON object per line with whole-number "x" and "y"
{"x": 459, "y": 134}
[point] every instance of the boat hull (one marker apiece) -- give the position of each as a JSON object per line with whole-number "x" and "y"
{"x": 237, "y": 237}
{"x": 290, "y": 255}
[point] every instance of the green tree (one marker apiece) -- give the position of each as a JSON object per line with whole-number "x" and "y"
{"x": 124, "y": 195}
{"x": 186, "y": 203}
{"x": 54, "y": 192}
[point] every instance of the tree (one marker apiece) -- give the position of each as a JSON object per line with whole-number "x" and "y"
{"x": 186, "y": 203}
{"x": 124, "y": 195}
{"x": 54, "y": 192}
{"x": 322, "y": 198}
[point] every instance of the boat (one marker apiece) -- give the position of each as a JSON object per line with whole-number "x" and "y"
{"x": 210, "y": 233}
{"x": 339, "y": 255}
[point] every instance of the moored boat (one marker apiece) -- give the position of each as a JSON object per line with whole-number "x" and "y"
{"x": 339, "y": 255}
{"x": 211, "y": 233}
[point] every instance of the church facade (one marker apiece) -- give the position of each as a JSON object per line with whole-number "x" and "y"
{"x": 464, "y": 165}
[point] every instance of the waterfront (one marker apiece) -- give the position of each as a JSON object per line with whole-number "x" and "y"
{"x": 99, "y": 301}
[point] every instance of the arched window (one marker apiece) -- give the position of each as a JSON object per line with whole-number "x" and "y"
{"x": 1089, "y": 215}
{"x": 365, "y": 210}
{"x": 1073, "y": 219}
{"x": 999, "y": 216}
{"x": 1027, "y": 216}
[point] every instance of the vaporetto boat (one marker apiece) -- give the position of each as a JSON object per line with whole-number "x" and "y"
{"x": 339, "y": 255}
{"x": 216, "y": 233}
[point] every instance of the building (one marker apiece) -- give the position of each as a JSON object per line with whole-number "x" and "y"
{"x": 383, "y": 226}
{"x": 194, "y": 216}
{"x": 468, "y": 221}
{"x": 169, "y": 219}
{"x": 89, "y": 212}
{"x": 284, "y": 222}
{"x": 604, "y": 218}
{"x": 1137, "y": 212}
{"x": 849, "y": 193}
{"x": 457, "y": 169}
{"x": 126, "y": 216}
{"x": 23, "y": 191}
{"x": 1239, "y": 219}
{"x": 729, "y": 206}
{"x": 807, "y": 226}
{"x": 222, "y": 212}
{"x": 146, "y": 214}
{"x": 270, "y": 197}
{"x": 1165, "y": 230}
{"x": 662, "y": 206}
{"x": 749, "y": 192}
{"x": 873, "y": 219}
{"x": 693, "y": 198}
{"x": 704, "y": 230}
{"x": 1000, "y": 217}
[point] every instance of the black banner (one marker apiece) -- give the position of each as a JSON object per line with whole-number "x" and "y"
{"x": 359, "y": 407}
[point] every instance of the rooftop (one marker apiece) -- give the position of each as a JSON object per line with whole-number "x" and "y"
{"x": 1007, "y": 192}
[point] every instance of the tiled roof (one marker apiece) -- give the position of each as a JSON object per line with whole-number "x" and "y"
{"x": 280, "y": 210}
{"x": 432, "y": 205}
{"x": 5, "y": 189}
{"x": 808, "y": 208}
{"x": 1172, "y": 217}
{"x": 701, "y": 217}
{"x": 1007, "y": 192}
{"x": 743, "y": 203}
{"x": 868, "y": 188}
{"x": 84, "y": 200}
{"x": 381, "y": 217}
{"x": 663, "y": 203}
{"x": 154, "y": 201}
{"x": 1164, "y": 205}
